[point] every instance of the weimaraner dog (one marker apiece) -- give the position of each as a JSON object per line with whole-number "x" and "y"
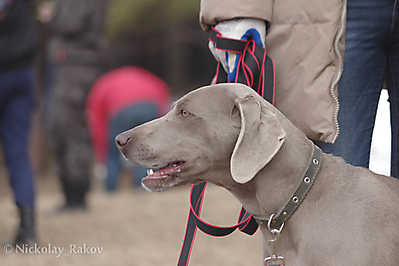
{"x": 228, "y": 135}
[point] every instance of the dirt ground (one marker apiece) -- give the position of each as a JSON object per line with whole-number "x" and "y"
{"x": 127, "y": 228}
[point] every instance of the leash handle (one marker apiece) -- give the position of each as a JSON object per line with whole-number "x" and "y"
{"x": 255, "y": 68}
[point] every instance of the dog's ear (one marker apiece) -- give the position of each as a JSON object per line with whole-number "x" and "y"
{"x": 261, "y": 136}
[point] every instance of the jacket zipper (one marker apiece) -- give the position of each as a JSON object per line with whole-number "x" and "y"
{"x": 334, "y": 84}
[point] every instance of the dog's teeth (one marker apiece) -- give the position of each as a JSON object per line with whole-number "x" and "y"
{"x": 150, "y": 172}
{"x": 178, "y": 170}
{"x": 174, "y": 165}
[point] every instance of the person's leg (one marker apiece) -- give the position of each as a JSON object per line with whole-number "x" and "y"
{"x": 69, "y": 133}
{"x": 78, "y": 154}
{"x": 114, "y": 163}
{"x": 70, "y": 158}
{"x": 368, "y": 25}
{"x": 59, "y": 123}
{"x": 393, "y": 89}
{"x": 57, "y": 136}
{"x": 78, "y": 158}
{"x": 14, "y": 132}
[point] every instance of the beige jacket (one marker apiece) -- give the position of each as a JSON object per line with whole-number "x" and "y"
{"x": 306, "y": 42}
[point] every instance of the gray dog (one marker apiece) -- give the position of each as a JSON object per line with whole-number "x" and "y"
{"x": 228, "y": 135}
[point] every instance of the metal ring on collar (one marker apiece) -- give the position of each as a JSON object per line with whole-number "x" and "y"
{"x": 272, "y": 230}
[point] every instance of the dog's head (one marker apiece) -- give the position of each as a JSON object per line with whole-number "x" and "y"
{"x": 214, "y": 128}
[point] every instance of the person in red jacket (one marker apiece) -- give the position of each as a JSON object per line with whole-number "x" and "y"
{"x": 119, "y": 100}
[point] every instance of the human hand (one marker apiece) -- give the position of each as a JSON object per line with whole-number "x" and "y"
{"x": 46, "y": 11}
{"x": 241, "y": 29}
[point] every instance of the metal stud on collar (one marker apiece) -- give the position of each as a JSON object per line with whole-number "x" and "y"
{"x": 295, "y": 199}
{"x": 303, "y": 188}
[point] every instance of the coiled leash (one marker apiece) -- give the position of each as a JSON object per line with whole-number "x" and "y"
{"x": 256, "y": 70}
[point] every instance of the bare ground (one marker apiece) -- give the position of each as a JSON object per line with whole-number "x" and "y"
{"x": 131, "y": 227}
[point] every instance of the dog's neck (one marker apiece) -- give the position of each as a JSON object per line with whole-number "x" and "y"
{"x": 275, "y": 183}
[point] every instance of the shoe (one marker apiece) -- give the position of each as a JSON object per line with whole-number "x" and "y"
{"x": 26, "y": 233}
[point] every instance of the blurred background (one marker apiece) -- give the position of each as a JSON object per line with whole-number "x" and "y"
{"x": 79, "y": 45}
{"x": 163, "y": 39}
{"x": 128, "y": 226}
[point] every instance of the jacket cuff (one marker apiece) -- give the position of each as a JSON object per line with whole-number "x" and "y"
{"x": 214, "y": 11}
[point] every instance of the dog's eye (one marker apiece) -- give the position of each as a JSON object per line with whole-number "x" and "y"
{"x": 183, "y": 113}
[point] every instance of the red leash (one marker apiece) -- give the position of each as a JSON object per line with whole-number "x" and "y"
{"x": 255, "y": 69}
{"x": 246, "y": 223}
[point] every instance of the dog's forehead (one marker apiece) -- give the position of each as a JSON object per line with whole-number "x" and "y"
{"x": 206, "y": 98}
{"x": 219, "y": 93}
{"x": 214, "y": 98}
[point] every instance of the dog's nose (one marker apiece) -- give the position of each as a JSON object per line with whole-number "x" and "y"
{"x": 122, "y": 140}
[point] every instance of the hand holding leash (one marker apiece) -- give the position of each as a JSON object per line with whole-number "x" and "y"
{"x": 237, "y": 29}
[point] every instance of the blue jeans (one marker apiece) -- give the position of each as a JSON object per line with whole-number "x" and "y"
{"x": 371, "y": 56}
{"x": 127, "y": 118}
{"x": 16, "y": 106}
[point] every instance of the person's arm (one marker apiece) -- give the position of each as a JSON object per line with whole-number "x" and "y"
{"x": 17, "y": 34}
{"x": 214, "y": 11}
{"x": 233, "y": 19}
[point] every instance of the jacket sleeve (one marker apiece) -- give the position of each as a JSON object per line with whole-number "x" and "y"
{"x": 214, "y": 11}
{"x": 17, "y": 35}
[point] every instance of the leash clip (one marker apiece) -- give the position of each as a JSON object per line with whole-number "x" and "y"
{"x": 274, "y": 259}
{"x": 274, "y": 231}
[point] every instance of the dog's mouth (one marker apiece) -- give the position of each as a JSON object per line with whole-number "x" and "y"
{"x": 162, "y": 178}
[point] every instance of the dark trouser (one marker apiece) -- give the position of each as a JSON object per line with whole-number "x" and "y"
{"x": 129, "y": 117}
{"x": 16, "y": 106}
{"x": 67, "y": 130}
{"x": 371, "y": 55}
